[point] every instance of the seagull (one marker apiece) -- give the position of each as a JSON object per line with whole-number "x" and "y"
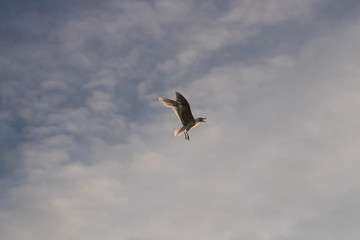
{"x": 182, "y": 109}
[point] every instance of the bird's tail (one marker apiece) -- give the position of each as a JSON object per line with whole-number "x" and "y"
{"x": 168, "y": 102}
{"x": 179, "y": 131}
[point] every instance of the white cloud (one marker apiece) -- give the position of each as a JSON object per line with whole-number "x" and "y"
{"x": 277, "y": 156}
{"x": 249, "y": 13}
{"x": 101, "y": 101}
{"x": 152, "y": 163}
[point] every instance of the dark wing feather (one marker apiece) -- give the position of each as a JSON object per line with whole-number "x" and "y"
{"x": 184, "y": 111}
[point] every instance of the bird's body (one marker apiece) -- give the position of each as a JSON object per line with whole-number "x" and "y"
{"x": 182, "y": 109}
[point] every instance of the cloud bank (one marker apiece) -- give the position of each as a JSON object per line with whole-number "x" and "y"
{"x": 88, "y": 152}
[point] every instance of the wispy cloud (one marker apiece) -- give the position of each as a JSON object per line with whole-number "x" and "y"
{"x": 88, "y": 152}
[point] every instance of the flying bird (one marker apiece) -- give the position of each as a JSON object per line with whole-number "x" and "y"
{"x": 182, "y": 109}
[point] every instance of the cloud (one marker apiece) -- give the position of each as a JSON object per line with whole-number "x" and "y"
{"x": 152, "y": 163}
{"x": 93, "y": 153}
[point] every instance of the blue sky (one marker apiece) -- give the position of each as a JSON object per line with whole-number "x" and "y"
{"x": 88, "y": 151}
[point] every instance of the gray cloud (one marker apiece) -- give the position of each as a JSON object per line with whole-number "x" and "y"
{"x": 88, "y": 152}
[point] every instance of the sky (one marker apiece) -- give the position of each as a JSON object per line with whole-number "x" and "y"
{"x": 88, "y": 152}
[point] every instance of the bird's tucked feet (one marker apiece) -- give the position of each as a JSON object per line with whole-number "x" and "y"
{"x": 187, "y": 136}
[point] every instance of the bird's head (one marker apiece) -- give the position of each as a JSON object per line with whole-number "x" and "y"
{"x": 201, "y": 120}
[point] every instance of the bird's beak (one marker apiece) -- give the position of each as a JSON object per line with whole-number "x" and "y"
{"x": 204, "y": 119}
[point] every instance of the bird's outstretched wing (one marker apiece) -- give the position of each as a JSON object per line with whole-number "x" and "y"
{"x": 183, "y": 111}
{"x": 173, "y": 104}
